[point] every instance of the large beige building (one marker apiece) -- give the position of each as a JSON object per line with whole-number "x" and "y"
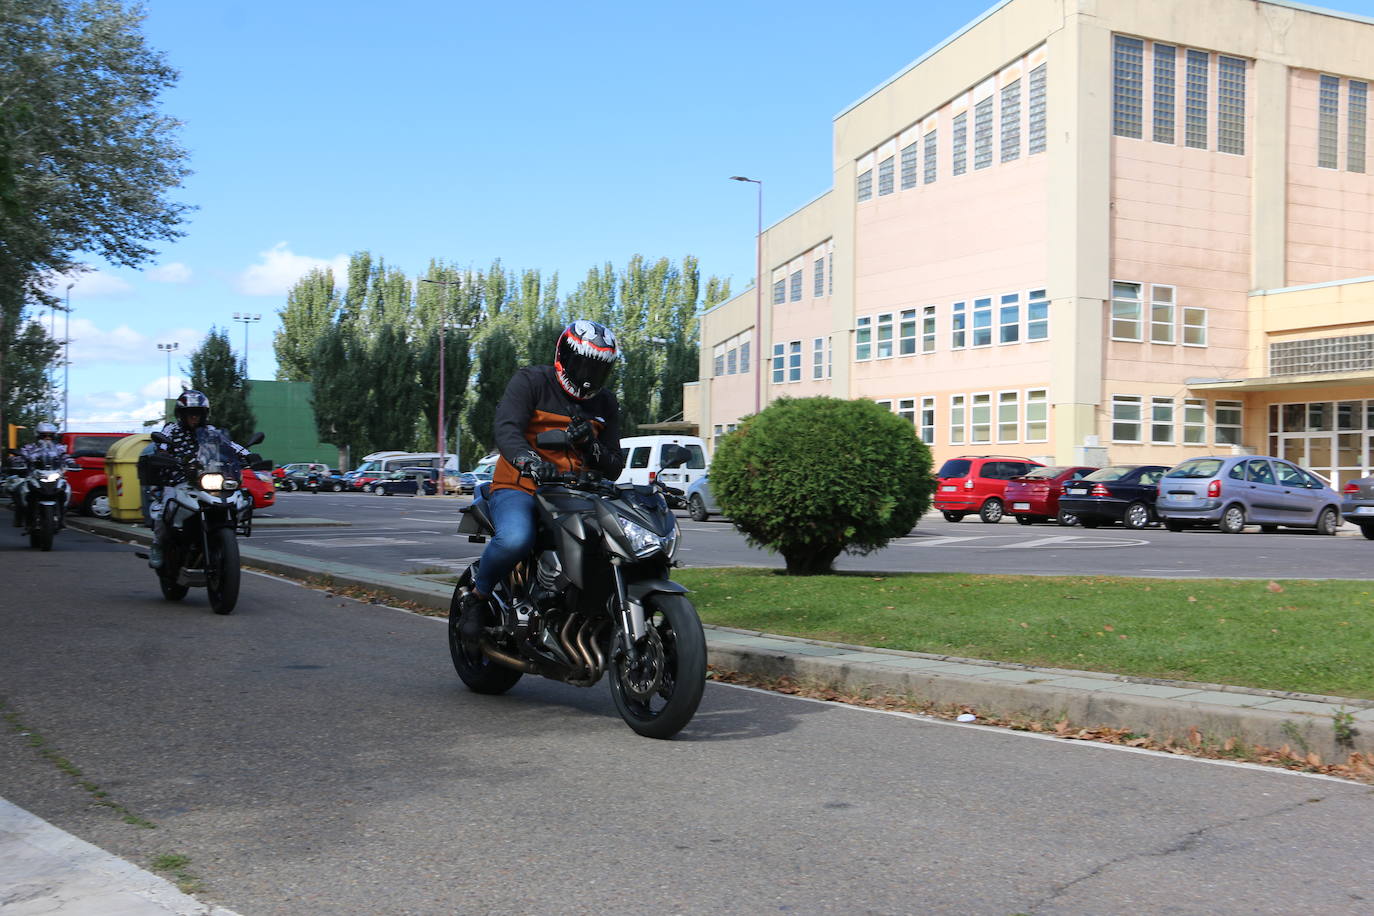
{"x": 1102, "y": 230}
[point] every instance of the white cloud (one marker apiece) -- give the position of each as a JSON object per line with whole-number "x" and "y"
{"x": 92, "y": 284}
{"x": 175, "y": 272}
{"x": 92, "y": 345}
{"x": 112, "y": 411}
{"x": 280, "y": 268}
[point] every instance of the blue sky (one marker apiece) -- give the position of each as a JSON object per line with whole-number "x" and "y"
{"x": 547, "y": 134}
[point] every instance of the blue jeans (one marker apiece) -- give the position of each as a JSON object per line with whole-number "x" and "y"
{"x": 513, "y": 516}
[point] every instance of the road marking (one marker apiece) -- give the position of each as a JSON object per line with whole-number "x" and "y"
{"x": 354, "y": 542}
{"x": 1055, "y": 542}
{"x": 935, "y": 541}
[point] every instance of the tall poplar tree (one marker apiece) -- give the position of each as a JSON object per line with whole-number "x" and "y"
{"x": 340, "y": 390}
{"x": 497, "y": 361}
{"x": 311, "y": 306}
{"x": 217, "y": 373}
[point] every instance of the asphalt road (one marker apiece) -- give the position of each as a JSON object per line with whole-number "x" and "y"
{"x": 405, "y": 534}
{"x": 309, "y": 754}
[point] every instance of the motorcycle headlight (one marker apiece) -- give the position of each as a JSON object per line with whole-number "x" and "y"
{"x": 212, "y": 481}
{"x": 643, "y": 541}
{"x": 50, "y": 476}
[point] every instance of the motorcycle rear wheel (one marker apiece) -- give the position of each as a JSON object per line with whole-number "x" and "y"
{"x": 479, "y": 673}
{"x": 680, "y": 650}
{"x": 222, "y": 571}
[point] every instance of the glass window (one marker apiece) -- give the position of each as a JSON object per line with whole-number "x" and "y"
{"x": 907, "y": 332}
{"x": 982, "y": 134}
{"x": 732, "y": 361}
{"x": 1195, "y": 101}
{"x": 956, "y": 420}
{"x": 1356, "y": 130}
{"x": 929, "y": 157}
{"x": 982, "y": 322}
{"x": 864, "y": 185}
{"x": 886, "y": 172}
{"x": 1194, "y": 421}
{"x": 1037, "y": 415}
{"x": 1228, "y": 422}
{"x": 829, "y": 273}
{"x": 1257, "y": 470}
{"x": 1328, "y": 112}
{"x": 980, "y": 419}
{"x": 1008, "y": 416}
{"x": 928, "y": 329}
{"x": 780, "y": 292}
{"x": 1230, "y": 105}
{"x": 639, "y": 458}
{"x": 959, "y": 149}
{"x": 1193, "y": 469}
{"x": 956, "y": 323}
{"x": 911, "y": 156}
{"x": 1348, "y": 415}
{"x": 863, "y": 339}
{"x": 1319, "y": 416}
{"x": 1294, "y": 418}
{"x": 1126, "y": 418}
{"x": 928, "y": 421}
{"x": 1162, "y": 421}
{"x": 1125, "y": 311}
{"x": 885, "y": 335}
{"x": 1194, "y": 327}
{"x": 1011, "y": 121}
{"x": 906, "y": 409}
{"x": 794, "y": 360}
{"x": 796, "y": 285}
{"x": 1164, "y": 93}
{"x": 818, "y": 279}
{"x": 829, "y": 357}
{"x": 779, "y": 364}
{"x": 1128, "y": 67}
{"x": 718, "y": 359}
{"x": 1289, "y": 476}
{"x": 1009, "y": 319}
{"x": 1037, "y": 315}
{"x": 818, "y": 358}
{"x": 1162, "y": 314}
{"x": 1035, "y": 134}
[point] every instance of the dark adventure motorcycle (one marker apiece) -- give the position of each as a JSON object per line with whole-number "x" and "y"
{"x": 203, "y": 516}
{"x": 595, "y": 597}
{"x": 40, "y": 499}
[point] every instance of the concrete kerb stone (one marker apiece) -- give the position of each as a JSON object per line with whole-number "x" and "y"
{"x": 1159, "y": 708}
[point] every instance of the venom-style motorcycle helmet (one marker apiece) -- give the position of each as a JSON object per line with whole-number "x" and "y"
{"x": 584, "y": 357}
{"x": 190, "y": 403}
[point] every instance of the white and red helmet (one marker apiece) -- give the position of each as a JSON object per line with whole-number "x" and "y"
{"x": 585, "y": 355}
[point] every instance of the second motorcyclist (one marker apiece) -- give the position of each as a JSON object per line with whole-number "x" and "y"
{"x": 44, "y": 451}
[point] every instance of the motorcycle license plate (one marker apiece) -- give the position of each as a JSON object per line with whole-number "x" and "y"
{"x": 1024, "y": 506}
{"x": 949, "y": 489}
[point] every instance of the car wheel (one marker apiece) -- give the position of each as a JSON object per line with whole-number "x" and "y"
{"x": 1024, "y": 520}
{"x": 337, "y": 488}
{"x": 952, "y": 516}
{"x": 1328, "y": 521}
{"x": 1367, "y": 531}
{"x": 1137, "y": 516}
{"x": 1066, "y": 518}
{"x": 1090, "y": 522}
{"x": 697, "y": 509}
{"x": 97, "y": 503}
{"x": 379, "y": 490}
{"x": 1232, "y": 520}
{"x": 1173, "y": 525}
{"x": 992, "y": 511}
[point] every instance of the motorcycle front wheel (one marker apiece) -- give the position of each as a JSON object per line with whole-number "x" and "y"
{"x": 222, "y": 571}
{"x": 658, "y": 696}
{"x": 40, "y": 535}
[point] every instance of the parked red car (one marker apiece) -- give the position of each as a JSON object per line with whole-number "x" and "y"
{"x": 89, "y": 485}
{"x": 264, "y": 494}
{"x": 1034, "y": 497}
{"x": 976, "y": 483}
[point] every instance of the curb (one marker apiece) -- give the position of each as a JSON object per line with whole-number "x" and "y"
{"x": 1160, "y": 709}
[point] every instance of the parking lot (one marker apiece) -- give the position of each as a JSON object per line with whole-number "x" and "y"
{"x": 418, "y": 534}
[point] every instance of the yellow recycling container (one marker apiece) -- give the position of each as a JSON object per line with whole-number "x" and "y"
{"x": 121, "y": 467}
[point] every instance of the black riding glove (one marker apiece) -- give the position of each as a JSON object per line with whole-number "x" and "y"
{"x": 582, "y": 435}
{"x": 532, "y": 465}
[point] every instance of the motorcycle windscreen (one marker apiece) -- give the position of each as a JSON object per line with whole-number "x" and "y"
{"x": 215, "y": 452}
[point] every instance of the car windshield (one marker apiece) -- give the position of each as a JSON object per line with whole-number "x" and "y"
{"x": 955, "y": 467}
{"x": 1109, "y": 473}
{"x": 1039, "y": 473}
{"x": 215, "y": 452}
{"x": 1197, "y": 469}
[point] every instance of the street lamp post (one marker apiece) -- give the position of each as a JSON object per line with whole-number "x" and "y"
{"x": 247, "y": 319}
{"x": 66, "y": 357}
{"x": 168, "y": 348}
{"x": 758, "y": 298}
{"x": 440, "y": 434}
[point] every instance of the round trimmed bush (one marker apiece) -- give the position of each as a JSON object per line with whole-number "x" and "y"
{"x": 811, "y": 477}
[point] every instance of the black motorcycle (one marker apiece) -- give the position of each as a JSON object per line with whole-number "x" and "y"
{"x": 595, "y": 596}
{"x": 40, "y": 497}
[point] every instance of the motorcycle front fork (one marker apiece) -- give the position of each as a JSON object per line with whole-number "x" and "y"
{"x": 632, "y": 621}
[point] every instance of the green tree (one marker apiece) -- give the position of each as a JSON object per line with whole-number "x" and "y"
{"x": 810, "y": 478}
{"x": 392, "y": 407}
{"x": 497, "y": 361}
{"x": 339, "y": 390}
{"x": 311, "y": 307}
{"x": 30, "y": 397}
{"x": 86, "y": 158}
{"x": 457, "y": 370}
{"x": 219, "y": 374}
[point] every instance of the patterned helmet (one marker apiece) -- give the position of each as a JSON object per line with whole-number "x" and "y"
{"x": 584, "y": 357}
{"x": 45, "y": 430}
{"x": 193, "y": 402}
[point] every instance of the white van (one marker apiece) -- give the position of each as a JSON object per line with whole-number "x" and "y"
{"x": 386, "y": 462}
{"x": 644, "y": 460}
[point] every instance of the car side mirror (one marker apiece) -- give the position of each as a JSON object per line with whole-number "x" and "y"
{"x": 552, "y": 438}
{"x": 675, "y": 456}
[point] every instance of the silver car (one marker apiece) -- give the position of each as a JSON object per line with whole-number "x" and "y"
{"x": 1357, "y": 504}
{"x": 1238, "y": 490}
{"x": 701, "y": 504}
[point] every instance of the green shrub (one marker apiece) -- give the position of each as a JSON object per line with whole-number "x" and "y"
{"x": 811, "y": 477}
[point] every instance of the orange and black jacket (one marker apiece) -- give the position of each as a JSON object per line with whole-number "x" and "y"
{"x": 534, "y": 402}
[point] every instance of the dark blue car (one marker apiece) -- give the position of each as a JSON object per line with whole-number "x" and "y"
{"x": 407, "y": 482}
{"x": 1123, "y": 493}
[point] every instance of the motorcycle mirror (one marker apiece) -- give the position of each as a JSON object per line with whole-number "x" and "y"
{"x": 161, "y": 438}
{"x": 552, "y": 438}
{"x": 675, "y": 456}
{"x": 254, "y": 439}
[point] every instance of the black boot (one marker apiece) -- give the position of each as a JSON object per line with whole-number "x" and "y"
{"x": 472, "y": 610}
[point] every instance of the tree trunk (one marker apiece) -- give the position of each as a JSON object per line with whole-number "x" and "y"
{"x": 810, "y": 561}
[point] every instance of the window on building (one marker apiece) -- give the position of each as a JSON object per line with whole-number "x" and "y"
{"x": 1162, "y": 421}
{"x": 906, "y": 331}
{"x": 929, "y": 160}
{"x": 957, "y": 319}
{"x": 1328, "y": 111}
{"x": 796, "y": 284}
{"x": 1011, "y": 121}
{"x": 982, "y": 134}
{"x": 779, "y": 363}
{"x": 1194, "y": 327}
{"x": 1128, "y": 74}
{"x": 1037, "y": 315}
{"x": 980, "y": 419}
{"x": 928, "y": 421}
{"x": 1037, "y": 415}
{"x": 1126, "y": 418}
{"x": 863, "y": 187}
{"x": 1162, "y": 314}
{"x": 1227, "y": 419}
{"x": 1356, "y": 131}
{"x": 1009, "y": 319}
{"x": 1125, "y": 311}
{"x": 732, "y": 361}
{"x": 956, "y": 419}
{"x": 982, "y": 322}
{"x": 1195, "y": 101}
{"x": 818, "y": 358}
{"x": 746, "y": 339}
{"x": 928, "y": 329}
{"x": 818, "y": 278}
{"x": 1035, "y": 111}
{"x": 718, "y": 359}
{"x": 863, "y": 339}
{"x": 1164, "y": 93}
{"x": 886, "y": 175}
{"x": 1008, "y": 416}
{"x": 911, "y": 164}
{"x": 1230, "y": 105}
{"x": 829, "y": 357}
{"x": 959, "y": 149}
{"x": 830, "y": 273}
{"x": 794, "y": 360}
{"x": 1194, "y": 421}
{"x": 779, "y": 292}
{"x": 906, "y": 409}
{"x": 884, "y": 338}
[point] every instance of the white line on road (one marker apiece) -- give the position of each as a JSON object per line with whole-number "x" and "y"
{"x": 355, "y": 542}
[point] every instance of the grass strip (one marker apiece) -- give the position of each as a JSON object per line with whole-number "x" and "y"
{"x": 1292, "y": 635}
